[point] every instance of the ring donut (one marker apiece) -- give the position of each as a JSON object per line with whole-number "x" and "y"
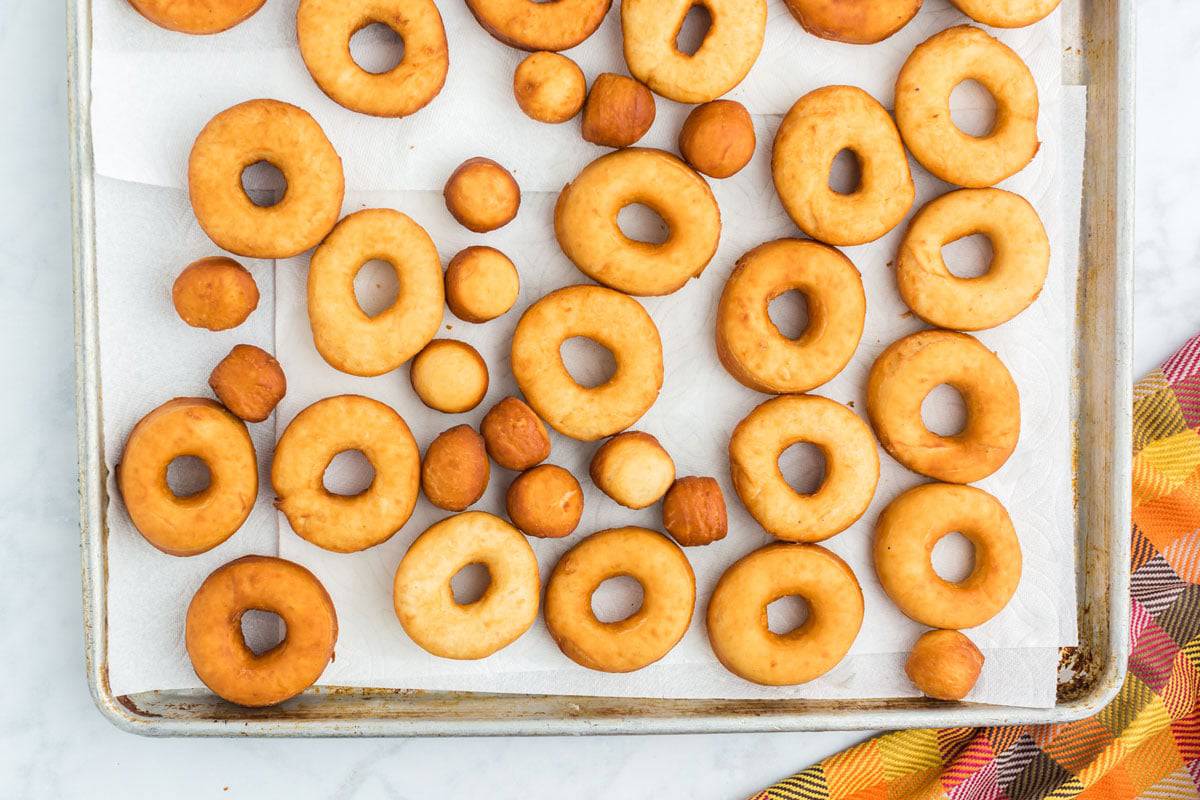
{"x": 820, "y": 125}
{"x": 188, "y": 426}
{"x": 853, "y": 21}
{"x": 1007, "y": 13}
{"x": 668, "y": 599}
{"x": 341, "y": 523}
{"x": 923, "y": 108}
{"x": 324, "y": 28}
{"x": 750, "y": 346}
{"x": 287, "y": 138}
{"x": 197, "y": 16}
{"x": 424, "y": 599}
{"x": 343, "y": 333}
{"x": 904, "y": 538}
{"x": 904, "y": 375}
{"x": 611, "y": 319}
{"x": 531, "y": 25}
{"x": 851, "y": 466}
{"x": 730, "y": 47}
{"x": 737, "y": 614}
{"x": 218, "y": 651}
{"x": 585, "y": 221}
{"x": 1020, "y": 260}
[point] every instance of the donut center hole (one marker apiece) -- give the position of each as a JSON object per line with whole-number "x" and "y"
{"x": 642, "y": 223}
{"x": 376, "y": 287}
{"x": 376, "y": 48}
{"x": 786, "y": 614}
{"x": 349, "y": 473}
{"x": 589, "y": 363}
{"x": 693, "y": 30}
{"x": 944, "y": 411}
{"x": 262, "y": 630}
{"x": 789, "y": 314}
{"x": 953, "y": 557}
{"x": 188, "y": 476}
{"x": 263, "y": 183}
{"x": 803, "y": 466}
{"x": 845, "y": 173}
{"x": 470, "y": 583}
{"x": 969, "y": 257}
{"x": 973, "y": 109}
{"x": 617, "y": 599}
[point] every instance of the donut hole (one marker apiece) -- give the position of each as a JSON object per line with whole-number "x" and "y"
{"x": 264, "y": 183}
{"x": 969, "y": 257}
{"x": 803, "y": 466}
{"x": 376, "y": 48}
{"x": 786, "y": 614}
{"x": 789, "y": 314}
{"x": 641, "y": 223}
{"x": 693, "y": 30}
{"x": 953, "y": 557}
{"x": 376, "y": 287}
{"x": 845, "y": 172}
{"x": 589, "y": 363}
{"x": 973, "y": 109}
{"x": 188, "y": 476}
{"x": 944, "y": 411}
{"x": 617, "y": 598}
{"x": 470, "y": 583}
{"x": 349, "y": 473}
{"x": 262, "y": 631}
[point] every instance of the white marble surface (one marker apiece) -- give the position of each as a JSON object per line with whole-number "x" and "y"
{"x": 54, "y": 744}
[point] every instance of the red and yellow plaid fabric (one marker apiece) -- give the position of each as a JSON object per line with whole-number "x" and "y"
{"x": 1146, "y": 743}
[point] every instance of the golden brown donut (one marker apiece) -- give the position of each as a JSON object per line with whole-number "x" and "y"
{"x": 853, "y": 21}
{"x": 549, "y": 87}
{"x": 904, "y": 375}
{"x": 425, "y": 602}
{"x": 923, "y": 108}
{"x": 346, "y": 523}
{"x": 218, "y": 651}
{"x": 481, "y": 284}
{"x": 737, "y": 614}
{"x": 188, "y": 426}
{"x": 290, "y": 140}
{"x": 249, "y": 382}
{"x": 449, "y": 376}
{"x": 750, "y": 346}
{"x": 455, "y": 471}
{"x": 820, "y": 125}
{"x": 633, "y": 469}
{"x": 944, "y": 665}
{"x": 668, "y": 598}
{"x": 694, "y": 511}
{"x": 343, "y": 333}
{"x": 216, "y": 293}
{"x": 851, "y": 466}
{"x": 1007, "y": 13}
{"x": 618, "y": 111}
{"x": 515, "y": 437}
{"x": 585, "y": 221}
{"x": 1020, "y": 259}
{"x": 324, "y": 28}
{"x": 905, "y": 536}
{"x": 482, "y": 195}
{"x": 197, "y": 16}
{"x": 717, "y": 138}
{"x": 612, "y": 320}
{"x": 546, "y": 502}
{"x": 530, "y": 25}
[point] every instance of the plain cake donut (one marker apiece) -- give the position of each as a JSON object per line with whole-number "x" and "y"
{"x": 197, "y": 16}
{"x": 1007, "y": 13}
{"x": 853, "y": 21}
{"x": 530, "y": 25}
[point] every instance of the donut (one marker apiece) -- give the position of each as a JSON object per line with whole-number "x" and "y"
{"x": 614, "y": 321}
{"x": 1020, "y": 260}
{"x": 341, "y": 523}
{"x": 546, "y": 502}
{"x": 668, "y": 598}
{"x": 216, "y": 293}
{"x": 290, "y": 140}
{"x": 904, "y": 538}
{"x": 197, "y": 16}
{"x": 618, "y": 111}
{"x": 482, "y": 195}
{"x": 549, "y": 87}
{"x": 530, "y": 25}
{"x": 585, "y": 222}
{"x": 944, "y": 665}
{"x": 345, "y": 336}
{"x": 853, "y": 21}
{"x": 694, "y": 513}
{"x": 218, "y": 651}
{"x": 193, "y": 524}
{"x": 515, "y": 437}
{"x": 1007, "y": 13}
{"x": 754, "y": 351}
{"x": 731, "y": 45}
{"x": 737, "y": 614}
{"x": 249, "y": 382}
{"x": 851, "y": 467}
{"x": 449, "y": 376}
{"x": 717, "y": 138}
{"x": 904, "y": 375}
{"x": 633, "y": 469}
{"x": 923, "y": 108}
{"x": 324, "y": 28}
{"x": 455, "y": 471}
{"x": 820, "y": 125}
{"x": 481, "y": 284}
{"x": 425, "y": 602}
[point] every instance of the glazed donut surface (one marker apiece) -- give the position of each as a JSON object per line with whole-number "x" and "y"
{"x": 197, "y": 16}
{"x": 530, "y": 25}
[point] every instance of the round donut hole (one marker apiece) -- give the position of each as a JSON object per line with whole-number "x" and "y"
{"x": 262, "y": 631}
{"x": 641, "y": 223}
{"x": 617, "y": 599}
{"x": 953, "y": 557}
{"x": 376, "y": 48}
{"x": 694, "y": 29}
{"x": 969, "y": 257}
{"x": 376, "y": 287}
{"x": 786, "y": 614}
{"x": 349, "y": 473}
{"x": 845, "y": 173}
{"x": 789, "y": 314}
{"x": 264, "y": 183}
{"x": 470, "y": 583}
{"x": 188, "y": 476}
{"x": 589, "y": 363}
{"x": 973, "y": 109}
{"x": 944, "y": 411}
{"x": 803, "y": 466}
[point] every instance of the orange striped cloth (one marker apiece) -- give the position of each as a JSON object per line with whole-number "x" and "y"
{"x": 1146, "y": 743}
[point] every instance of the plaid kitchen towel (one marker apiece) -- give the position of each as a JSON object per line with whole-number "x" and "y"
{"x": 1146, "y": 743}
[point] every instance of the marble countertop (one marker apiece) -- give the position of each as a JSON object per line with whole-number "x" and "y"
{"x": 53, "y": 742}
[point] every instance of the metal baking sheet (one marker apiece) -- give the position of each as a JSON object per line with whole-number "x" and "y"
{"x": 1097, "y": 52}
